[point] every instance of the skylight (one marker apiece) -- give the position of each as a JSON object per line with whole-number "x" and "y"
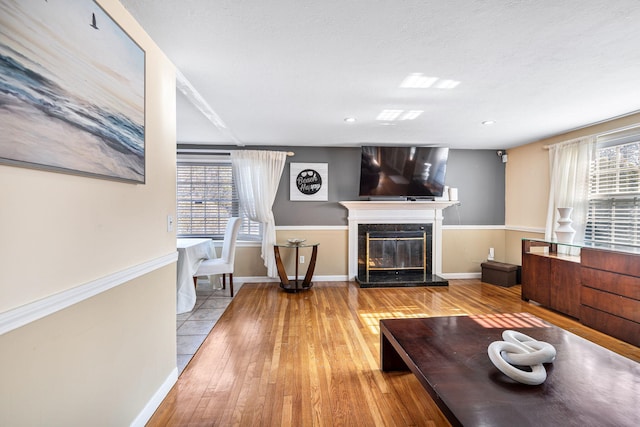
{"x": 393, "y": 115}
{"x": 446, "y": 84}
{"x": 389, "y": 115}
{"x": 420, "y": 81}
{"x": 411, "y": 114}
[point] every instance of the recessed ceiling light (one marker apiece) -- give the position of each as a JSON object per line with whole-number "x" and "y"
{"x": 489, "y": 122}
{"x": 350, "y": 119}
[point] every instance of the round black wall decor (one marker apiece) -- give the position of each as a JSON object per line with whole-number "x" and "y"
{"x": 309, "y": 182}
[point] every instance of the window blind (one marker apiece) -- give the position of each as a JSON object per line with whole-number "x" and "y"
{"x": 614, "y": 191}
{"x": 206, "y": 199}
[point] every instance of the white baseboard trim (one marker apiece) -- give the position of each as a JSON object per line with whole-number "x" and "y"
{"x": 239, "y": 281}
{"x": 23, "y": 315}
{"x": 147, "y": 412}
{"x": 341, "y": 278}
{"x": 261, "y": 279}
{"x": 453, "y": 276}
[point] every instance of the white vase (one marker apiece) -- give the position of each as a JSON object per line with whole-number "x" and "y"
{"x": 565, "y": 233}
{"x": 453, "y": 194}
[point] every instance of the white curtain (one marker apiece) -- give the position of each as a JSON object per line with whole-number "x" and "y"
{"x": 257, "y": 175}
{"x": 569, "y": 167}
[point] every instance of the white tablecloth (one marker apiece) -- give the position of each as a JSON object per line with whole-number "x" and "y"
{"x": 191, "y": 252}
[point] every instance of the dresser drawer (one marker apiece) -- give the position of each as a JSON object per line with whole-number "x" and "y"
{"x": 620, "y": 284}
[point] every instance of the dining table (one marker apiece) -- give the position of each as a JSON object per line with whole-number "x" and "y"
{"x": 191, "y": 252}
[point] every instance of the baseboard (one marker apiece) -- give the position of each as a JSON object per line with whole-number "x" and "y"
{"x": 238, "y": 281}
{"x": 343, "y": 278}
{"x": 150, "y": 408}
{"x": 338, "y": 278}
{"x": 261, "y": 279}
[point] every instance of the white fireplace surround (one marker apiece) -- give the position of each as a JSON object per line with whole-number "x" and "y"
{"x": 396, "y": 212}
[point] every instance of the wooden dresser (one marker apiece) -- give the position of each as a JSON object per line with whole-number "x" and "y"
{"x": 600, "y": 287}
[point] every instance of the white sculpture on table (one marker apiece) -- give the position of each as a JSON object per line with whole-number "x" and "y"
{"x": 518, "y": 349}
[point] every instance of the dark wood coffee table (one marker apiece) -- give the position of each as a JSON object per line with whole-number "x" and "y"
{"x": 587, "y": 385}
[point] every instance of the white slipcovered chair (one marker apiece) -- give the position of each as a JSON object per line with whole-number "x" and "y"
{"x": 224, "y": 264}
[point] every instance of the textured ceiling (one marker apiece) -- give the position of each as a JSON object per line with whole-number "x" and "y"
{"x": 287, "y": 72}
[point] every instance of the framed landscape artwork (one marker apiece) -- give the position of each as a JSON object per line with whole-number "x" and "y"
{"x": 309, "y": 182}
{"x": 72, "y": 90}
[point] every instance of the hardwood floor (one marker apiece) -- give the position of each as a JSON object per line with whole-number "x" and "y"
{"x": 279, "y": 359}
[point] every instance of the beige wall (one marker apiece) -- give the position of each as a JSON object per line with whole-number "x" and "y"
{"x": 527, "y": 186}
{"x": 96, "y": 363}
{"x": 331, "y": 259}
{"x": 99, "y": 361}
{"x": 464, "y": 249}
{"x": 248, "y": 261}
{"x": 333, "y": 251}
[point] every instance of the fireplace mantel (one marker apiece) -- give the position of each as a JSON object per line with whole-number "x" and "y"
{"x": 395, "y": 204}
{"x": 395, "y": 212}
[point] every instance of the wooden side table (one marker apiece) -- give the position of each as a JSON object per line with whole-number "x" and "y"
{"x": 296, "y": 285}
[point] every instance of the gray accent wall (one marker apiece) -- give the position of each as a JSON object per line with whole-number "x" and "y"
{"x": 344, "y": 184}
{"x": 479, "y": 176}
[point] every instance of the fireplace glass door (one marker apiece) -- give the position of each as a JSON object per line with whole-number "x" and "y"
{"x": 395, "y": 252}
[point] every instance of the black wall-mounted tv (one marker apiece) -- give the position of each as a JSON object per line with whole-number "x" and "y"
{"x": 411, "y": 172}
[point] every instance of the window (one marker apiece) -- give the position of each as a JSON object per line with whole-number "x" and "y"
{"x": 614, "y": 190}
{"x": 207, "y": 198}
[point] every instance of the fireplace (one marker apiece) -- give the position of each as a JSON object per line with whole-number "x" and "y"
{"x": 396, "y": 243}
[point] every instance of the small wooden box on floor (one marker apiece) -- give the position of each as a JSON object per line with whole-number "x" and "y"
{"x": 499, "y": 273}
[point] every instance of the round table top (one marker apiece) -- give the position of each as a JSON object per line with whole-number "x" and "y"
{"x": 296, "y": 245}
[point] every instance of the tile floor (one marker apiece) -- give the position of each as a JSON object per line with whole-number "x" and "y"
{"x": 194, "y": 326}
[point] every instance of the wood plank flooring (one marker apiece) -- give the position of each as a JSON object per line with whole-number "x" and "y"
{"x": 312, "y": 359}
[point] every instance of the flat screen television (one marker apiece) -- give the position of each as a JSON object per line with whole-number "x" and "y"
{"x": 411, "y": 172}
